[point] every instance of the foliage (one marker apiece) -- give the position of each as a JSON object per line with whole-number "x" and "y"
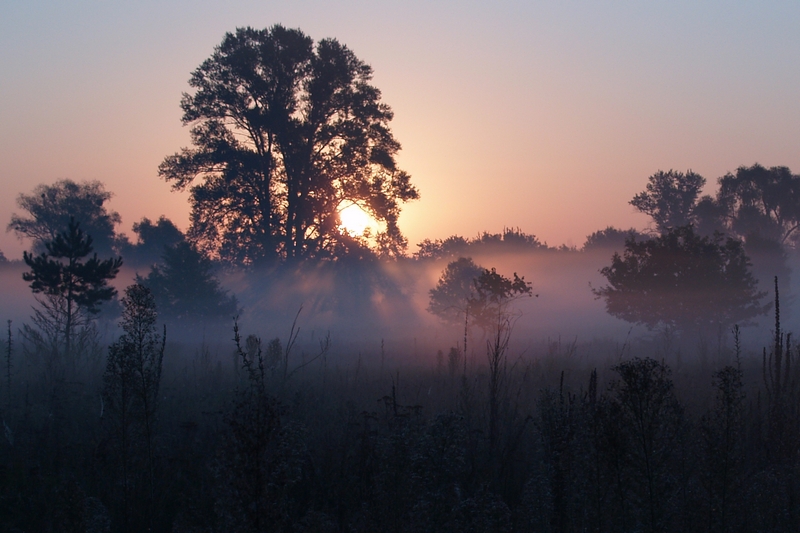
{"x": 72, "y": 288}
{"x": 466, "y": 291}
{"x": 51, "y": 207}
{"x": 722, "y": 430}
{"x": 670, "y": 198}
{"x": 153, "y": 239}
{"x": 610, "y": 238}
{"x": 454, "y": 291}
{"x": 185, "y": 287}
{"x": 283, "y": 132}
{"x": 453, "y": 246}
{"x": 761, "y": 201}
{"x": 493, "y": 292}
{"x": 682, "y": 280}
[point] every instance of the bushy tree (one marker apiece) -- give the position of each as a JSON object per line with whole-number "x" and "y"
{"x": 185, "y": 287}
{"x": 493, "y": 293}
{"x": 153, "y": 239}
{"x": 72, "y": 288}
{"x": 670, "y": 198}
{"x": 51, "y": 207}
{"x": 682, "y": 280}
{"x": 761, "y": 201}
{"x": 466, "y": 290}
{"x": 450, "y": 298}
{"x": 285, "y": 130}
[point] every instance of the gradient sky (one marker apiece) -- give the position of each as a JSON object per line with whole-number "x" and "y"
{"x": 548, "y": 116}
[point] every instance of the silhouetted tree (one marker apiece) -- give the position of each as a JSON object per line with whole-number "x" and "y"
{"x": 761, "y": 201}
{"x": 450, "y": 299}
{"x": 153, "y": 239}
{"x": 670, "y": 198}
{"x": 493, "y": 293}
{"x": 72, "y": 288}
{"x": 466, "y": 288}
{"x": 454, "y": 246}
{"x": 185, "y": 287}
{"x": 51, "y": 207}
{"x": 682, "y": 280}
{"x": 284, "y": 131}
{"x": 611, "y": 239}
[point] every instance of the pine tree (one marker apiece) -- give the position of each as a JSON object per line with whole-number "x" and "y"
{"x": 72, "y": 289}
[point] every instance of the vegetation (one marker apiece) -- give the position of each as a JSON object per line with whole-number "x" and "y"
{"x": 72, "y": 288}
{"x": 684, "y": 281}
{"x": 284, "y": 131}
{"x": 185, "y": 287}
{"x": 51, "y": 208}
{"x": 216, "y": 435}
{"x": 670, "y": 198}
{"x": 454, "y": 246}
{"x": 240, "y": 447}
{"x": 154, "y": 238}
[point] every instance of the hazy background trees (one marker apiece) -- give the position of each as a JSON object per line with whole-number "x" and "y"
{"x": 153, "y": 239}
{"x": 51, "y": 207}
{"x": 185, "y": 287}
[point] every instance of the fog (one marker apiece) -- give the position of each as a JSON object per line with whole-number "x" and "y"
{"x": 366, "y": 306}
{"x": 363, "y": 305}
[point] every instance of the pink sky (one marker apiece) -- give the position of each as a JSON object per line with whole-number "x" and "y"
{"x": 543, "y": 116}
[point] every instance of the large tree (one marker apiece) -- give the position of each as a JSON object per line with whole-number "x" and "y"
{"x": 284, "y": 131}
{"x": 51, "y": 207}
{"x": 682, "y": 280}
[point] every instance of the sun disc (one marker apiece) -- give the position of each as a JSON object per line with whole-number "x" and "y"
{"x": 354, "y": 219}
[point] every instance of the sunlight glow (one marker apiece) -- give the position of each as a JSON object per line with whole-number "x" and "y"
{"x": 354, "y": 219}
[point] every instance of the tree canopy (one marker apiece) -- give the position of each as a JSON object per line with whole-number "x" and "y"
{"x": 466, "y": 290}
{"x": 682, "y": 280}
{"x": 449, "y": 300}
{"x": 51, "y": 207}
{"x": 611, "y": 238}
{"x": 761, "y": 201}
{"x": 185, "y": 288}
{"x": 511, "y": 239}
{"x": 153, "y": 239}
{"x": 670, "y": 198}
{"x": 285, "y": 130}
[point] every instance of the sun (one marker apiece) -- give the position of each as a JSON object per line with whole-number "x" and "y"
{"x": 355, "y": 220}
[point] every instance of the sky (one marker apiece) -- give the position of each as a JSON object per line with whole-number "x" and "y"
{"x": 547, "y": 116}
